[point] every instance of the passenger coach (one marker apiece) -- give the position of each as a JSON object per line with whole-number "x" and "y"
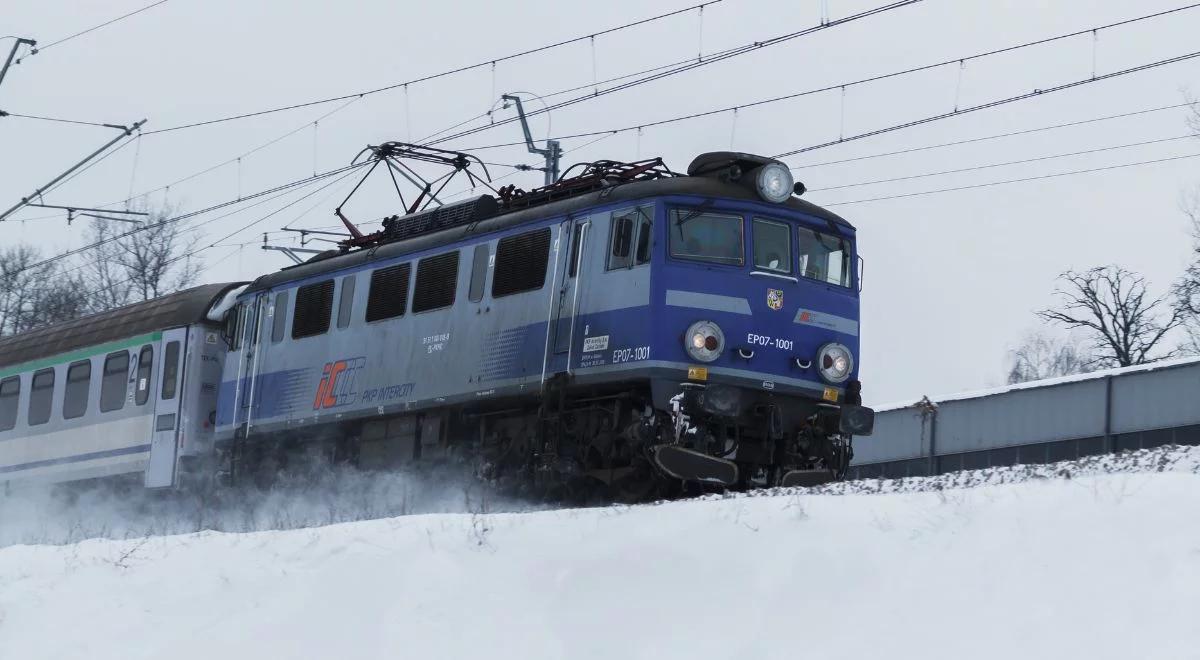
{"x": 126, "y": 392}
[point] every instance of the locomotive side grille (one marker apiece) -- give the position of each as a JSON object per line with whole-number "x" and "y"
{"x": 521, "y": 263}
{"x": 437, "y": 280}
{"x": 388, "y": 297}
{"x": 314, "y": 305}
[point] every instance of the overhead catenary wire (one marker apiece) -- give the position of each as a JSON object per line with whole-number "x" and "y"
{"x": 690, "y": 65}
{"x": 97, "y": 27}
{"x": 192, "y": 214}
{"x": 486, "y": 63}
{"x": 995, "y": 136}
{"x": 1022, "y": 161}
{"x": 991, "y": 104}
{"x": 841, "y": 86}
{"x": 59, "y": 120}
{"x": 192, "y": 253}
{"x": 1010, "y": 181}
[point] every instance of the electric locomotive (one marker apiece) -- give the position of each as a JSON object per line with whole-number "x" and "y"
{"x": 621, "y": 328}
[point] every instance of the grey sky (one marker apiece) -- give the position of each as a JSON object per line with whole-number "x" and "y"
{"x": 951, "y": 279}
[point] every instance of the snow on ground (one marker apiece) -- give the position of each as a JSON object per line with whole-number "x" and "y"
{"x": 1104, "y": 564}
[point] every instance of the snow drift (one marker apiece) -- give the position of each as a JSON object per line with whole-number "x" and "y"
{"x": 1104, "y": 564}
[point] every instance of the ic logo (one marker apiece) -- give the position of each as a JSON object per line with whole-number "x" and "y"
{"x": 339, "y": 383}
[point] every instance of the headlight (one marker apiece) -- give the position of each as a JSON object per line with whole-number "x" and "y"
{"x": 835, "y": 362}
{"x": 775, "y": 182}
{"x": 704, "y": 341}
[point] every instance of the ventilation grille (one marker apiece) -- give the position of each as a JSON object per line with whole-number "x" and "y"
{"x": 521, "y": 263}
{"x": 437, "y": 280}
{"x": 388, "y": 297}
{"x": 314, "y": 305}
{"x": 443, "y": 217}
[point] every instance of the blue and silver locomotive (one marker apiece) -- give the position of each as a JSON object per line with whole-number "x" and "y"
{"x": 612, "y": 329}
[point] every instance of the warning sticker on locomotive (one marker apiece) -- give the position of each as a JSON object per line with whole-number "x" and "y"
{"x": 592, "y": 344}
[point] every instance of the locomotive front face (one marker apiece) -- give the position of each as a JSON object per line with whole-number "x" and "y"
{"x": 761, "y": 312}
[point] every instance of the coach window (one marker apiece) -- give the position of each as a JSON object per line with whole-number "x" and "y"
{"x": 79, "y": 381}
{"x": 521, "y": 263}
{"x": 279, "y": 320}
{"x": 824, "y": 258}
{"x": 479, "y": 267}
{"x": 116, "y": 381}
{"x": 437, "y": 282}
{"x": 314, "y": 307}
{"x": 697, "y": 235}
{"x": 388, "y": 297}
{"x": 346, "y": 301}
{"x": 170, "y": 370}
{"x": 41, "y": 397}
{"x": 144, "y": 370}
{"x": 10, "y": 396}
{"x": 772, "y": 246}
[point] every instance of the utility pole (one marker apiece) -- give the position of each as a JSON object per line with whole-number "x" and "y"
{"x": 126, "y": 131}
{"x": 13, "y": 53}
{"x": 552, "y": 152}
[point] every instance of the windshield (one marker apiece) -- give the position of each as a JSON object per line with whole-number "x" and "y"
{"x": 772, "y": 246}
{"x": 823, "y": 257}
{"x": 711, "y": 237}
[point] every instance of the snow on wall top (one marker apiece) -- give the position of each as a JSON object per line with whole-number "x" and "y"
{"x": 1048, "y": 382}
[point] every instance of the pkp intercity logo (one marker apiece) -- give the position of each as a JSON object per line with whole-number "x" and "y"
{"x": 339, "y": 383}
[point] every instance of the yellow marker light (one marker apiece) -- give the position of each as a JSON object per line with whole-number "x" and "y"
{"x": 830, "y": 394}
{"x": 701, "y": 373}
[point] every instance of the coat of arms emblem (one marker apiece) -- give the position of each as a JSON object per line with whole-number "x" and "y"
{"x": 775, "y": 299}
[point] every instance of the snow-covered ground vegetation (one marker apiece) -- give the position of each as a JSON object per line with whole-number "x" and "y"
{"x": 1098, "y": 558}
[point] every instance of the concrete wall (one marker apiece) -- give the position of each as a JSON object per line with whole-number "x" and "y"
{"x": 1163, "y": 398}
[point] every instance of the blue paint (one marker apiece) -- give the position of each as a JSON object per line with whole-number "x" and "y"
{"x": 96, "y": 455}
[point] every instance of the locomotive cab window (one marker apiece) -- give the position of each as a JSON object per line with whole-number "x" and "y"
{"x": 437, "y": 282}
{"x": 631, "y": 238}
{"x": 698, "y": 235}
{"x": 772, "y": 246}
{"x": 10, "y": 397}
{"x": 115, "y": 383}
{"x": 824, "y": 258}
{"x": 314, "y": 307}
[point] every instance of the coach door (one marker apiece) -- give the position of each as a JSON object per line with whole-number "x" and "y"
{"x": 570, "y": 270}
{"x": 164, "y": 443}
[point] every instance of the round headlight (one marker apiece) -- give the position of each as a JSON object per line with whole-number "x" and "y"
{"x": 775, "y": 182}
{"x": 704, "y": 341}
{"x": 834, "y": 363}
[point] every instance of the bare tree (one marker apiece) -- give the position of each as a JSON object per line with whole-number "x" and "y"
{"x": 131, "y": 267}
{"x": 35, "y": 296}
{"x": 1041, "y": 356}
{"x": 1111, "y": 304}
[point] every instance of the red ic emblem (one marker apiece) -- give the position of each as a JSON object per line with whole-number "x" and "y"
{"x": 338, "y": 385}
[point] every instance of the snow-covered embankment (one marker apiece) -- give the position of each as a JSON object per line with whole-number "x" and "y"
{"x": 1099, "y": 566}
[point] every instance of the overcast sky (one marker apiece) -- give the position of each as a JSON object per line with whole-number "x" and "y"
{"x": 951, "y": 279}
